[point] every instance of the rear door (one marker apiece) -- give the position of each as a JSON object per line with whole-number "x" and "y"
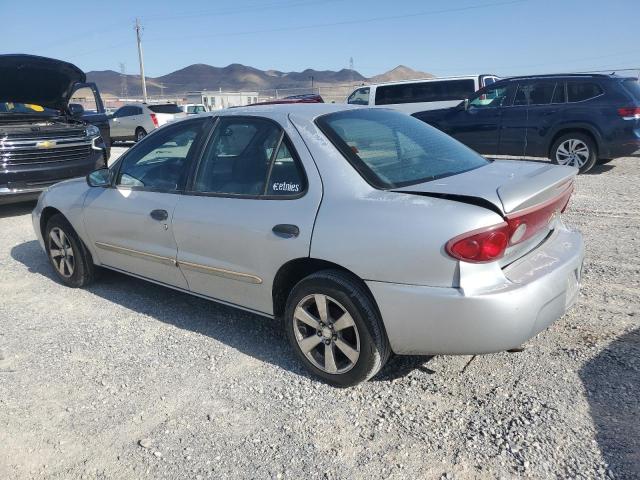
{"x": 546, "y": 107}
{"x": 130, "y": 222}
{"x": 249, "y": 210}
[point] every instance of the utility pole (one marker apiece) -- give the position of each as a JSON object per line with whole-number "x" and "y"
{"x": 351, "y": 71}
{"x": 123, "y": 81}
{"x": 138, "y": 28}
{"x": 311, "y": 77}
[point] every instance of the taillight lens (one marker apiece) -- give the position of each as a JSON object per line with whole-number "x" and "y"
{"x": 154, "y": 119}
{"x": 629, "y": 113}
{"x": 478, "y": 246}
{"x": 489, "y": 244}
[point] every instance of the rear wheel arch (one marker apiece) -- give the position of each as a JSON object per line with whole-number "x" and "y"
{"x": 568, "y": 130}
{"x": 293, "y": 271}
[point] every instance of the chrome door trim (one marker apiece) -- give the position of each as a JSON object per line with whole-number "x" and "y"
{"x": 137, "y": 253}
{"x": 221, "y": 272}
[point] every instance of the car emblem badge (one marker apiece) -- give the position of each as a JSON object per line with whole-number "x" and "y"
{"x": 46, "y": 144}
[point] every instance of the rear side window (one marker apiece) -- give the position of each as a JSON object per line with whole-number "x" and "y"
{"x": 633, "y": 87}
{"x": 538, "y": 93}
{"x": 250, "y": 157}
{"x": 433, "y": 91}
{"x": 580, "y": 91}
{"x": 559, "y": 93}
{"x": 390, "y": 149}
{"x": 169, "y": 108}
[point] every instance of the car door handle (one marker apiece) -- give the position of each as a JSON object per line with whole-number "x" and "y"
{"x": 286, "y": 230}
{"x": 159, "y": 215}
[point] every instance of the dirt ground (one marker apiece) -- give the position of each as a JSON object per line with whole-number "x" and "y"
{"x": 128, "y": 380}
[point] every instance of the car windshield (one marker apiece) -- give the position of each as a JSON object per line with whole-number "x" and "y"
{"x": 391, "y": 149}
{"x": 26, "y": 108}
{"x": 634, "y": 88}
{"x": 170, "y": 108}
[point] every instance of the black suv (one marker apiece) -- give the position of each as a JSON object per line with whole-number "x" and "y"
{"x": 43, "y": 137}
{"x": 571, "y": 119}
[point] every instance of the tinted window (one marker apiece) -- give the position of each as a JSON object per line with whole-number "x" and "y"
{"x": 633, "y": 86}
{"x": 391, "y": 149}
{"x": 169, "y": 108}
{"x": 579, "y": 91}
{"x": 538, "y": 93}
{"x": 239, "y": 160}
{"x": 489, "y": 81}
{"x": 434, "y": 91}
{"x": 160, "y": 162}
{"x": 495, "y": 96}
{"x": 359, "y": 97}
{"x": 559, "y": 95}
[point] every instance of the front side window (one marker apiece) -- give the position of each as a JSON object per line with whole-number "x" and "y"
{"x": 581, "y": 91}
{"x": 359, "y": 97}
{"x": 251, "y": 157}
{"x": 537, "y": 93}
{"x": 390, "y": 149}
{"x": 496, "y": 96}
{"x": 160, "y": 162}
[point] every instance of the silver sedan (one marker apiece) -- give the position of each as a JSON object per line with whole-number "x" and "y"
{"x": 367, "y": 231}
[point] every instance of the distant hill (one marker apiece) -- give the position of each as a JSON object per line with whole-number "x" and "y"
{"x": 239, "y": 77}
{"x": 399, "y": 73}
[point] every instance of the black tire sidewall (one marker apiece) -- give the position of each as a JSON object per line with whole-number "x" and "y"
{"x": 374, "y": 347}
{"x": 82, "y": 273}
{"x": 593, "y": 153}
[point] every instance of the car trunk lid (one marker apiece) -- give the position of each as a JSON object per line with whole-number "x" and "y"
{"x": 521, "y": 192}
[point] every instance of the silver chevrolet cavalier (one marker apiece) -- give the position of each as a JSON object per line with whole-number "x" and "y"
{"x": 366, "y": 231}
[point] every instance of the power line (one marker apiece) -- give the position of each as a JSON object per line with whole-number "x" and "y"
{"x": 341, "y": 23}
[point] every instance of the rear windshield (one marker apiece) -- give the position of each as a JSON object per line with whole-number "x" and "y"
{"x": 169, "y": 108}
{"x": 434, "y": 91}
{"x": 391, "y": 149}
{"x": 633, "y": 86}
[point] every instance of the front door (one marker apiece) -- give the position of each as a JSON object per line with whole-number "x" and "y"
{"x": 478, "y": 126}
{"x": 250, "y": 209}
{"x": 130, "y": 222}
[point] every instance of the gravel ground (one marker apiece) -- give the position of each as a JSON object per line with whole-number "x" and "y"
{"x": 130, "y": 380}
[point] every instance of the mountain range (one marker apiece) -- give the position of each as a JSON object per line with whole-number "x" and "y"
{"x": 237, "y": 77}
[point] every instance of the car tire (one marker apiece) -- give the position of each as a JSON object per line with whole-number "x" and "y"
{"x": 345, "y": 343}
{"x": 576, "y": 150}
{"x": 68, "y": 256}
{"x": 604, "y": 161}
{"x": 140, "y": 134}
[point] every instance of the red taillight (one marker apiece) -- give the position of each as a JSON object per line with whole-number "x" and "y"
{"x": 629, "y": 113}
{"x": 488, "y": 244}
{"x": 154, "y": 119}
{"x": 482, "y": 245}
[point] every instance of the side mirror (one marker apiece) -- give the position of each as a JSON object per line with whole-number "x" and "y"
{"x": 76, "y": 109}
{"x": 99, "y": 178}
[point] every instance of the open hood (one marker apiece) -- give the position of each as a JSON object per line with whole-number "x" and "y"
{"x": 39, "y": 80}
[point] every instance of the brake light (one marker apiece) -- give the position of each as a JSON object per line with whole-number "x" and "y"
{"x": 629, "y": 113}
{"x": 154, "y": 119}
{"x": 489, "y": 244}
{"x": 484, "y": 245}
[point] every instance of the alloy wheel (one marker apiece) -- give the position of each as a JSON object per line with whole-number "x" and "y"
{"x": 326, "y": 334}
{"x": 572, "y": 152}
{"x": 61, "y": 252}
{"x": 140, "y": 134}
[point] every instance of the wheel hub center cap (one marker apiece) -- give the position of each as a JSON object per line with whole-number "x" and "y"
{"x": 327, "y": 333}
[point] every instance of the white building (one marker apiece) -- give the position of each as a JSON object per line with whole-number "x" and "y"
{"x": 219, "y": 100}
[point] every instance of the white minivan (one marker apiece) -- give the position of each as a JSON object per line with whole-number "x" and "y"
{"x": 412, "y": 96}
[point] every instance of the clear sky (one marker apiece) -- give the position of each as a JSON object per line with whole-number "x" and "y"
{"x": 444, "y": 37}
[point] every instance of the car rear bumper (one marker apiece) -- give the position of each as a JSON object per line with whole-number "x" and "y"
{"x": 537, "y": 290}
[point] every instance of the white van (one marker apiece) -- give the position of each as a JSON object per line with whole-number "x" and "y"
{"x": 412, "y": 96}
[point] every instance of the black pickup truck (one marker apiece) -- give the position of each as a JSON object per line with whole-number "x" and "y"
{"x": 43, "y": 137}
